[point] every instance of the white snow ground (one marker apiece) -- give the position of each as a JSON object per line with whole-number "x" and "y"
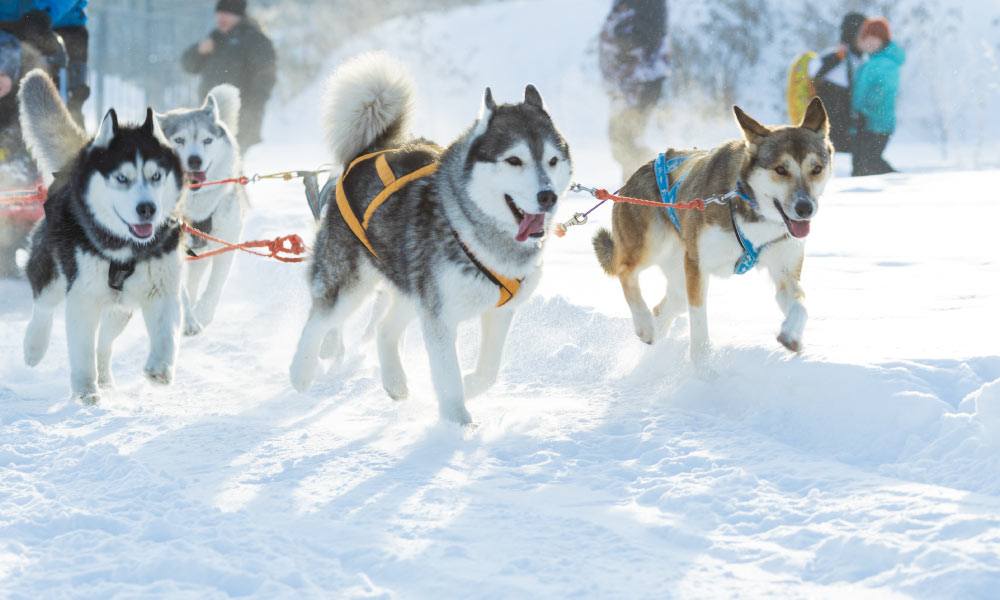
{"x": 600, "y": 467}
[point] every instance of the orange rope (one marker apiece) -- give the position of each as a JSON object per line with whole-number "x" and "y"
{"x": 242, "y": 180}
{"x": 603, "y": 194}
{"x": 286, "y": 244}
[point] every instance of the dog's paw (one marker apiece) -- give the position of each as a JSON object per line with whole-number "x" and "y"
{"x": 204, "y": 315}
{"x": 475, "y": 384}
{"x": 792, "y": 343}
{"x": 160, "y": 374}
{"x": 456, "y": 413}
{"x": 332, "y": 348}
{"x": 397, "y": 390}
{"x": 302, "y": 372}
{"x": 646, "y": 331}
{"x": 105, "y": 381}
{"x": 33, "y": 352}
{"x": 192, "y": 326}
{"x": 89, "y": 398}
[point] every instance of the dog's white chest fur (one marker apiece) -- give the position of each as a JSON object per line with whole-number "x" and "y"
{"x": 151, "y": 278}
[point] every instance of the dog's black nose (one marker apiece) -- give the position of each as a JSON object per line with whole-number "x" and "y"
{"x": 804, "y": 209}
{"x": 547, "y": 199}
{"x": 145, "y": 210}
{"x": 194, "y": 163}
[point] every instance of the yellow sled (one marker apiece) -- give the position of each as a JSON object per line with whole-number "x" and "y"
{"x": 800, "y": 87}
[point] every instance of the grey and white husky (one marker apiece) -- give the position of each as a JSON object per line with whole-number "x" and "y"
{"x": 464, "y": 241}
{"x": 205, "y": 139}
{"x": 109, "y": 241}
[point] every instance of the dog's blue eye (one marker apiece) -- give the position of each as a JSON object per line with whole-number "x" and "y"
{"x": 156, "y": 177}
{"x": 207, "y": 141}
{"x": 514, "y": 161}
{"x": 121, "y": 179}
{"x": 179, "y": 141}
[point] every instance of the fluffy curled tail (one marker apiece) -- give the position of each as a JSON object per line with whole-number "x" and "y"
{"x": 49, "y": 131}
{"x": 604, "y": 247}
{"x": 368, "y": 104}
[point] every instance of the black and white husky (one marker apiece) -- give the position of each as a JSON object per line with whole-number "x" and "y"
{"x": 444, "y": 244}
{"x": 109, "y": 241}
{"x": 205, "y": 139}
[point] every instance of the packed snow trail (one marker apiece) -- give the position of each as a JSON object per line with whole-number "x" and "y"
{"x": 598, "y": 465}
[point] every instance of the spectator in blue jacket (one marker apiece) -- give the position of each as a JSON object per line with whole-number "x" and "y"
{"x": 876, "y": 86}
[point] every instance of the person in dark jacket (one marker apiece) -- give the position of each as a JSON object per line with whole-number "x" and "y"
{"x": 833, "y": 77}
{"x": 239, "y": 53}
{"x": 634, "y": 65}
{"x": 874, "y": 98}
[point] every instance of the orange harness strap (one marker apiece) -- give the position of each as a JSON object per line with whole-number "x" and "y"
{"x": 508, "y": 287}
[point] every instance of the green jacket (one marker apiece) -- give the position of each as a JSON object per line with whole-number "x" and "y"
{"x": 876, "y": 85}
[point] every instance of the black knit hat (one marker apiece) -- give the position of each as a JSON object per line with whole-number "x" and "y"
{"x": 236, "y": 7}
{"x": 849, "y": 28}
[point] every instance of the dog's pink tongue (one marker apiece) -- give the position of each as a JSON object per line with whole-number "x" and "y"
{"x": 532, "y": 223}
{"x": 799, "y": 229}
{"x": 143, "y": 230}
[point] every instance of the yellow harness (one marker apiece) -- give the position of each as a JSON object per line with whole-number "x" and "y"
{"x": 508, "y": 287}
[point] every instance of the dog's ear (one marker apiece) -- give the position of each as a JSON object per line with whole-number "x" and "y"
{"x": 485, "y": 113}
{"x": 211, "y": 107}
{"x": 107, "y": 131}
{"x": 151, "y": 127}
{"x": 532, "y": 97}
{"x": 816, "y": 118}
{"x": 753, "y": 131}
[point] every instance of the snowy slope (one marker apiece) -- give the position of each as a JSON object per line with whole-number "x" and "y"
{"x": 600, "y": 467}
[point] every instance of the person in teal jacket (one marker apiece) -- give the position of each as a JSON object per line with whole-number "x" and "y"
{"x": 876, "y": 86}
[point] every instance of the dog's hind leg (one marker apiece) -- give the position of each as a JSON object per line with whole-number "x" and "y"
{"x": 205, "y": 308}
{"x": 36, "y": 337}
{"x": 390, "y": 332}
{"x": 439, "y": 337}
{"x": 789, "y": 295}
{"x": 495, "y": 325}
{"x": 642, "y": 319}
{"x": 113, "y": 322}
{"x": 83, "y": 315}
{"x": 328, "y": 313}
{"x": 674, "y": 301}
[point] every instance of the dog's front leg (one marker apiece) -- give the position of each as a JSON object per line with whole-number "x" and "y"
{"x": 209, "y": 301}
{"x": 789, "y": 295}
{"x": 439, "y": 337}
{"x": 195, "y": 271}
{"x": 495, "y": 325}
{"x": 162, "y": 314}
{"x": 697, "y": 291}
{"x": 112, "y": 324}
{"x": 83, "y": 315}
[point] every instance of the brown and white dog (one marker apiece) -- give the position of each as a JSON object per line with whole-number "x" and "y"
{"x": 781, "y": 172}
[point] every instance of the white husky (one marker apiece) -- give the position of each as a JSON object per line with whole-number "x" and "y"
{"x": 205, "y": 140}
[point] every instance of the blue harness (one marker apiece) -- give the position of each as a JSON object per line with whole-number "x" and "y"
{"x": 662, "y": 167}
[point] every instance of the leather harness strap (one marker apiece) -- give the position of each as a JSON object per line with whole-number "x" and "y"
{"x": 508, "y": 287}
